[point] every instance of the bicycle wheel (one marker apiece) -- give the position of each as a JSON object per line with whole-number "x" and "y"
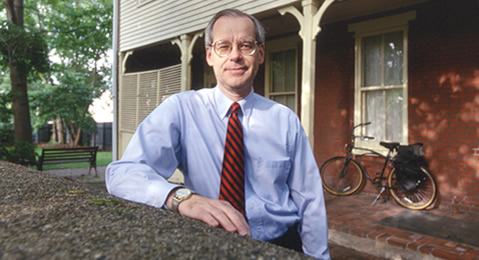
{"x": 338, "y": 182}
{"x": 420, "y": 198}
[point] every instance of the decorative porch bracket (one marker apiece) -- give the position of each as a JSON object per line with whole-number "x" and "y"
{"x": 309, "y": 28}
{"x": 186, "y": 43}
{"x": 123, "y": 58}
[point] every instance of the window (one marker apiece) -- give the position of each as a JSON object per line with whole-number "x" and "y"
{"x": 381, "y": 78}
{"x": 282, "y": 72}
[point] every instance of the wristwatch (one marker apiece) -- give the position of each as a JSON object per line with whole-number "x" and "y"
{"x": 180, "y": 195}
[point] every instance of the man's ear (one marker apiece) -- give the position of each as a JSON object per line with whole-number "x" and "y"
{"x": 208, "y": 56}
{"x": 261, "y": 53}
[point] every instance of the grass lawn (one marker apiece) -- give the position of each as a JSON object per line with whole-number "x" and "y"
{"x": 103, "y": 158}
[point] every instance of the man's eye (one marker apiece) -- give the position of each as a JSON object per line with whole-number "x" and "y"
{"x": 223, "y": 47}
{"x": 246, "y": 46}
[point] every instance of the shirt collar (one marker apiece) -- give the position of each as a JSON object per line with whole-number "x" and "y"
{"x": 223, "y": 103}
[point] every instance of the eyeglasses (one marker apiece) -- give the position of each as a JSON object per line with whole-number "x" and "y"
{"x": 224, "y": 48}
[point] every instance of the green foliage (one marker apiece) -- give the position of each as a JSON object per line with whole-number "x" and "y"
{"x": 6, "y": 112}
{"x": 6, "y": 117}
{"x": 76, "y": 35}
{"x": 23, "y": 47}
{"x": 81, "y": 30}
{"x": 19, "y": 152}
{"x": 79, "y": 34}
{"x": 69, "y": 100}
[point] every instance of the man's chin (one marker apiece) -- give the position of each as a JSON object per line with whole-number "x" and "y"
{"x": 237, "y": 87}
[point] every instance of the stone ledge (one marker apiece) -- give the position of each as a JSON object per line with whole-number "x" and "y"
{"x": 48, "y": 217}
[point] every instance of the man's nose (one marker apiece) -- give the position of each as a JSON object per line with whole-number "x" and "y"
{"x": 235, "y": 53}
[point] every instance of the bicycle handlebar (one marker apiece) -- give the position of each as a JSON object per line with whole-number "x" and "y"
{"x": 363, "y": 137}
{"x": 362, "y": 124}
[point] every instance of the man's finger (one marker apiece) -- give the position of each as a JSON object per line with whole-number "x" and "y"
{"x": 238, "y": 220}
{"x": 215, "y": 213}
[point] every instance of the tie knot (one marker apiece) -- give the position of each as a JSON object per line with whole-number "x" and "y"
{"x": 235, "y": 107}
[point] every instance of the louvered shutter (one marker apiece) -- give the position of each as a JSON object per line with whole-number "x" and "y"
{"x": 127, "y": 118}
{"x": 148, "y": 94}
{"x": 142, "y": 92}
{"x": 170, "y": 82}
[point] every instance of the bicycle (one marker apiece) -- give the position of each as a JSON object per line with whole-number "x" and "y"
{"x": 344, "y": 175}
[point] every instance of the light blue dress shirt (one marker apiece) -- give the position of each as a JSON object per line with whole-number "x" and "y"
{"x": 188, "y": 131}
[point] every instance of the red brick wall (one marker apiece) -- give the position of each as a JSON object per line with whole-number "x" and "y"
{"x": 443, "y": 98}
{"x": 334, "y": 99}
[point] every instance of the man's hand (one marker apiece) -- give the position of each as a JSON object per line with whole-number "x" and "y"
{"x": 214, "y": 213}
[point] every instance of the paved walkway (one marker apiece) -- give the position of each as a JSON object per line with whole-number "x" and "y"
{"x": 353, "y": 223}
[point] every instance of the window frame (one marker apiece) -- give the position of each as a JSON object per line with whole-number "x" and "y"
{"x": 281, "y": 45}
{"x": 380, "y": 27}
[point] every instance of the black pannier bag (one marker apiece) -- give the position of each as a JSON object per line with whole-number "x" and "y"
{"x": 408, "y": 163}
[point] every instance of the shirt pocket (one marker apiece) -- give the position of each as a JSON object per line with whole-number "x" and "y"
{"x": 271, "y": 175}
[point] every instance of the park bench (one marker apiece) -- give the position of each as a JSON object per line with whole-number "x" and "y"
{"x": 68, "y": 155}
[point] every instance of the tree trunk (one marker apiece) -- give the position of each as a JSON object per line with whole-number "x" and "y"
{"x": 77, "y": 137}
{"x": 71, "y": 132}
{"x": 61, "y": 131}
{"x": 21, "y": 108}
{"x": 58, "y": 134}
{"x": 54, "y": 138}
{"x": 18, "y": 77}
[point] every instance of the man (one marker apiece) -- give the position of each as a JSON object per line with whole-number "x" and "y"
{"x": 265, "y": 173}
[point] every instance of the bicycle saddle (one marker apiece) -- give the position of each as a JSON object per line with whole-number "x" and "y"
{"x": 390, "y": 146}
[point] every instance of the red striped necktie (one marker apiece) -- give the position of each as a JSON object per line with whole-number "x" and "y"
{"x": 232, "y": 173}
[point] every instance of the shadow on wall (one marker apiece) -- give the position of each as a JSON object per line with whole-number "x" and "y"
{"x": 447, "y": 120}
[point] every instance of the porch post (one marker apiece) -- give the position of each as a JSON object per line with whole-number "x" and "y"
{"x": 309, "y": 23}
{"x": 186, "y": 43}
{"x": 183, "y": 43}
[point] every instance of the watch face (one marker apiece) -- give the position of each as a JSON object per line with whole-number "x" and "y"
{"x": 182, "y": 193}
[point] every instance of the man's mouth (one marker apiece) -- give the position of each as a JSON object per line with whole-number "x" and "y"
{"x": 236, "y": 70}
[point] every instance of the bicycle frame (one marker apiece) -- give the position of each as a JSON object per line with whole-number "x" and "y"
{"x": 378, "y": 181}
{"x": 371, "y": 152}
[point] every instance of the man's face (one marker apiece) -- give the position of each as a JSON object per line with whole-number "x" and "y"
{"x": 235, "y": 72}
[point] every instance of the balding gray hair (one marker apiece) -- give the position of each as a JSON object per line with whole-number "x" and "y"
{"x": 258, "y": 28}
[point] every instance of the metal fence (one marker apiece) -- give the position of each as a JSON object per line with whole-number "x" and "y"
{"x": 101, "y": 138}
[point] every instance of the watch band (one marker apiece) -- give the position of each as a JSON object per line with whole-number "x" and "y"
{"x": 174, "y": 204}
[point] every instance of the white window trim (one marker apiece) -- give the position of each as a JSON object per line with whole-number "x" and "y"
{"x": 282, "y": 44}
{"x": 378, "y": 26}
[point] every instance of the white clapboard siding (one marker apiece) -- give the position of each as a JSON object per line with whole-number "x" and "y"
{"x": 144, "y": 22}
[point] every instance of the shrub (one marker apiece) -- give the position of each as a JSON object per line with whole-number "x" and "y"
{"x": 20, "y": 153}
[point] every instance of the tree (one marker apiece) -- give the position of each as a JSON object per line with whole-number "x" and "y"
{"x": 79, "y": 34}
{"x": 23, "y": 50}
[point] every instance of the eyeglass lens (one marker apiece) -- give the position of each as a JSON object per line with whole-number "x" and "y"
{"x": 224, "y": 48}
